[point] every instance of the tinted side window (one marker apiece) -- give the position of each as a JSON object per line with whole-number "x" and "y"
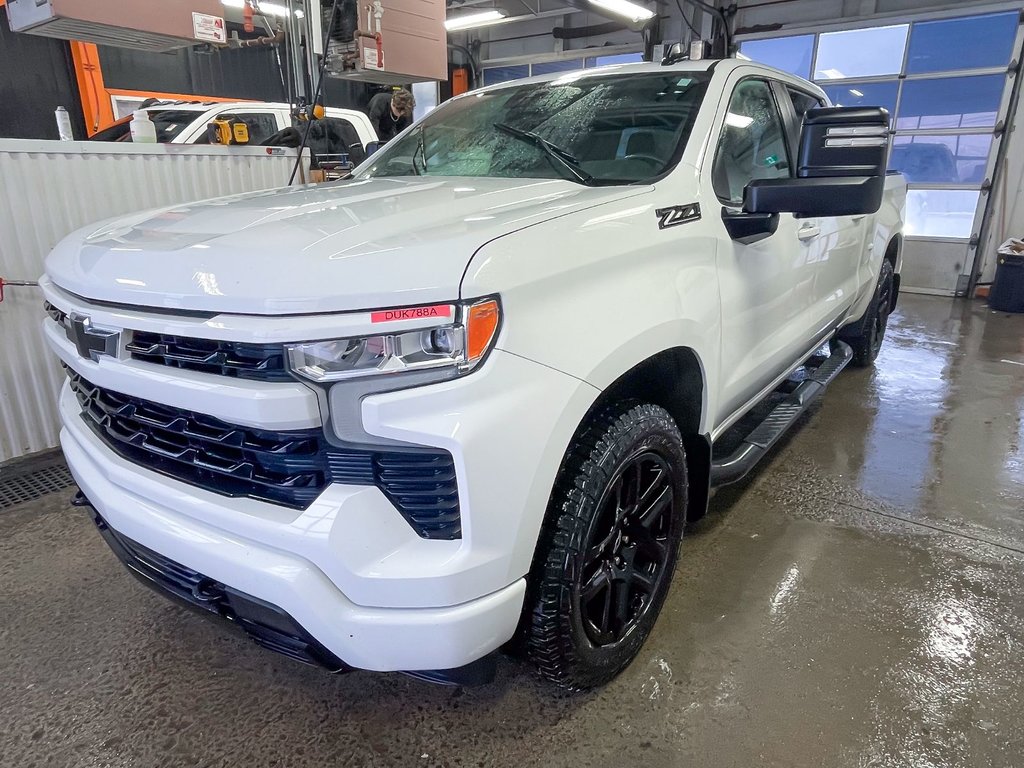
{"x": 753, "y": 142}
{"x": 803, "y": 102}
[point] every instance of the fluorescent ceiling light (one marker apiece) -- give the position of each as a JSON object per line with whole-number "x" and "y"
{"x": 738, "y": 121}
{"x": 833, "y": 74}
{"x": 858, "y": 94}
{"x": 468, "y": 20}
{"x": 268, "y": 9}
{"x": 631, "y": 11}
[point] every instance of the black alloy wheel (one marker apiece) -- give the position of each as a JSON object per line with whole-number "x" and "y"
{"x": 883, "y": 308}
{"x": 627, "y": 549}
{"x": 608, "y": 546}
{"x": 865, "y": 336}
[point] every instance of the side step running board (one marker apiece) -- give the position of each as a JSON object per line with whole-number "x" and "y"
{"x": 755, "y": 445}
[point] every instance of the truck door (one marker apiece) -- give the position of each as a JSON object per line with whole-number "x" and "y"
{"x": 767, "y": 286}
{"x": 836, "y": 245}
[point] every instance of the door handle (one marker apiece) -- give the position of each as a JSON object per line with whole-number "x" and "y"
{"x": 809, "y": 232}
{"x": 858, "y": 218}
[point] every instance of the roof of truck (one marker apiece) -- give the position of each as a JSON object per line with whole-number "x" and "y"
{"x": 647, "y": 67}
{"x": 203, "y": 106}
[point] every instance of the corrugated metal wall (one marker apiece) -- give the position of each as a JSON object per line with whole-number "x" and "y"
{"x": 50, "y": 188}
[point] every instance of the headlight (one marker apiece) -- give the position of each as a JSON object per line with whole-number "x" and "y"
{"x": 451, "y": 350}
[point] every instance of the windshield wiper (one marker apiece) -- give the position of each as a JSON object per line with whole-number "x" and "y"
{"x": 564, "y": 158}
{"x": 421, "y": 149}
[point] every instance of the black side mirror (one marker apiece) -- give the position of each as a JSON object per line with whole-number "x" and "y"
{"x": 372, "y": 146}
{"x": 841, "y": 167}
{"x": 809, "y": 198}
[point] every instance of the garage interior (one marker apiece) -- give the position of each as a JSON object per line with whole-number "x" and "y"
{"x": 855, "y": 601}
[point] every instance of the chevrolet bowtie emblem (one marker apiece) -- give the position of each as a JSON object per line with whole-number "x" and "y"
{"x": 90, "y": 340}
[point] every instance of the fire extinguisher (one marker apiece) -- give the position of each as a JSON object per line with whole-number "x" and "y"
{"x": 247, "y": 17}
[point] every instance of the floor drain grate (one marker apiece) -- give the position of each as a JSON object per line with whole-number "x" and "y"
{"x": 33, "y": 485}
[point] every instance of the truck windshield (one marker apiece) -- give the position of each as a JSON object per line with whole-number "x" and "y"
{"x": 595, "y": 130}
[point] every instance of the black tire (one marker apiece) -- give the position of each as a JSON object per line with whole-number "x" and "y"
{"x": 866, "y": 335}
{"x": 594, "y": 594}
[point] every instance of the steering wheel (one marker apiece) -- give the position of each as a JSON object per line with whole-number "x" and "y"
{"x": 646, "y": 158}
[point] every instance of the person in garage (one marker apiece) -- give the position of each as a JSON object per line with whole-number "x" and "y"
{"x": 391, "y": 112}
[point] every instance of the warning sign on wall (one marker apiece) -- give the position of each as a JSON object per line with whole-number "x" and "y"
{"x": 209, "y": 28}
{"x": 370, "y": 58}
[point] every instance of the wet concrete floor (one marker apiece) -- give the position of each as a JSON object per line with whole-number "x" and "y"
{"x": 858, "y": 602}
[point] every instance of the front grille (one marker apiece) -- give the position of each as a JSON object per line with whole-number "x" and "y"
{"x": 265, "y": 362}
{"x": 58, "y": 315}
{"x": 286, "y": 468}
{"x": 262, "y": 362}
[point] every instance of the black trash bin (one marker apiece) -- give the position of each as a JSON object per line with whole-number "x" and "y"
{"x": 1007, "y": 293}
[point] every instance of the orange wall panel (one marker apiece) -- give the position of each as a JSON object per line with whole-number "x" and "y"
{"x": 95, "y": 101}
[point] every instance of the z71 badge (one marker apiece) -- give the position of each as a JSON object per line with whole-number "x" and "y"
{"x": 677, "y": 214}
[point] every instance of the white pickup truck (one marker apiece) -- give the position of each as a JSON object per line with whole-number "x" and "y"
{"x": 473, "y": 394}
{"x": 185, "y": 122}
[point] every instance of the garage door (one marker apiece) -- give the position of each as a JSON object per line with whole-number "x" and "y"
{"x": 945, "y": 81}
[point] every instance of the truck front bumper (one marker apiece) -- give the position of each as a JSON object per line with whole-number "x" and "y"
{"x": 383, "y": 639}
{"x": 349, "y": 570}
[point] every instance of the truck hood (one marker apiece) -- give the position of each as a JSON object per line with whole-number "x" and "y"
{"x": 335, "y": 247}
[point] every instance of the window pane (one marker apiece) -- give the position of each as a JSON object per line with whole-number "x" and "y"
{"x": 261, "y": 124}
{"x": 979, "y": 41}
{"x": 803, "y": 102}
{"x": 861, "y": 53}
{"x": 864, "y": 95}
{"x": 753, "y": 144}
{"x": 941, "y": 212}
{"x": 952, "y": 102}
{"x": 790, "y": 54}
{"x": 425, "y": 96}
{"x": 622, "y": 58}
{"x": 941, "y": 159}
{"x": 169, "y": 124}
{"x": 550, "y": 67}
{"x": 504, "y": 74}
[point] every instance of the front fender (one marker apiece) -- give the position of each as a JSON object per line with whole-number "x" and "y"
{"x": 597, "y": 292}
{"x": 652, "y": 341}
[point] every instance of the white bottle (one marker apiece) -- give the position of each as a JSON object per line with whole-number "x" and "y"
{"x": 64, "y": 124}
{"x": 142, "y": 128}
